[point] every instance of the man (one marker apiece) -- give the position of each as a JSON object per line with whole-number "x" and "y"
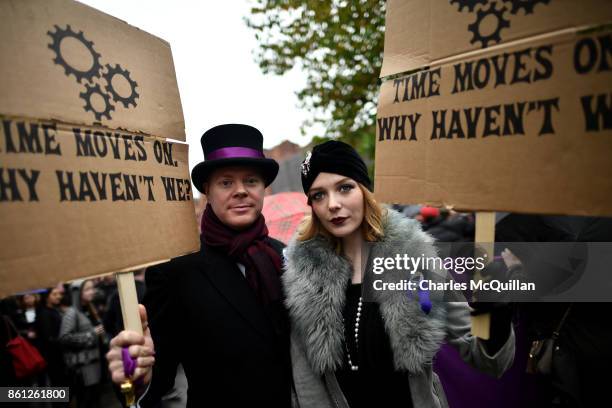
{"x": 219, "y": 311}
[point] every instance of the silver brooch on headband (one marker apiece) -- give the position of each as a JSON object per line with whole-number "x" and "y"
{"x": 306, "y": 164}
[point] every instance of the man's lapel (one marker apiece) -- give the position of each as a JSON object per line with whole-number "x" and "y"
{"x": 226, "y": 277}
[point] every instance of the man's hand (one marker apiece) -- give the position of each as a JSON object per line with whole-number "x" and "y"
{"x": 140, "y": 348}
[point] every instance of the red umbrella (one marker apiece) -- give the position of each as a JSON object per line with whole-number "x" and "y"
{"x": 283, "y": 213}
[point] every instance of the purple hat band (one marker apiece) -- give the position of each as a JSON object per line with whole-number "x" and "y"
{"x": 234, "y": 152}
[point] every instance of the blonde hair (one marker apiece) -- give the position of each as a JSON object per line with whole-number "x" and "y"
{"x": 371, "y": 226}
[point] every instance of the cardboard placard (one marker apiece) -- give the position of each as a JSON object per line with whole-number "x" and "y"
{"x": 79, "y": 194}
{"x": 65, "y": 61}
{"x": 524, "y": 126}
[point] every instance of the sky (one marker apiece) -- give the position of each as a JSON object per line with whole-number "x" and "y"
{"x": 213, "y": 52}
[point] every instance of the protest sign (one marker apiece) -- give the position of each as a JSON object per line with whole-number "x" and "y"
{"x": 89, "y": 182}
{"x": 497, "y": 106}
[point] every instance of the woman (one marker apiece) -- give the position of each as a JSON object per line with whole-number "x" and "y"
{"x": 352, "y": 346}
{"x": 25, "y": 316}
{"x": 25, "y": 322}
{"x": 48, "y": 323}
{"x": 81, "y": 335}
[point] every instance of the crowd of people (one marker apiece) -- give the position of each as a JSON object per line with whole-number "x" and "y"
{"x": 70, "y": 325}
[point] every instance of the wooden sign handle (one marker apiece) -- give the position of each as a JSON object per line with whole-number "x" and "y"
{"x": 484, "y": 235}
{"x": 129, "y": 301}
{"x": 131, "y": 321}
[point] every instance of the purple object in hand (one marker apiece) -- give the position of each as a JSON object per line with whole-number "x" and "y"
{"x": 129, "y": 363}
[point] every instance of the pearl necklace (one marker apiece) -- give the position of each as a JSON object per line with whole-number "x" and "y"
{"x": 355, "y": 367}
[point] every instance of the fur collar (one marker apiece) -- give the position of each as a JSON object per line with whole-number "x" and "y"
{"x": 315, "y": 282}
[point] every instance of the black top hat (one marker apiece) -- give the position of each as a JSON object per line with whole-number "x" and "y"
{"x": 233, "y": 145}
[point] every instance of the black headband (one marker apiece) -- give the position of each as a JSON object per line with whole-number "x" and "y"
{"x": 334, "y": 157}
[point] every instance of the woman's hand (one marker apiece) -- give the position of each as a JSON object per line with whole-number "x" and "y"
{"x": 140, "y": 348}
{"x": 510, "y": 259}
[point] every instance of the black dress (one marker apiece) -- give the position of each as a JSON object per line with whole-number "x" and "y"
{"x": 376, "y": 383}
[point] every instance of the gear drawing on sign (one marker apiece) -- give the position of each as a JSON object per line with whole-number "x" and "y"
{"x": 57, "y": 37}
{"x": 494, "y": 37}
{"x": 526, "y": 5}
{"x": 92, "y": 90}
{"x": 470, "y": 4}
{"x": 93, "y": 74}
{"x": 117, "y": 70}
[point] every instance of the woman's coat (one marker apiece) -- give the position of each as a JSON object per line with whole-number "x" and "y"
{"x": 315, "y": 283}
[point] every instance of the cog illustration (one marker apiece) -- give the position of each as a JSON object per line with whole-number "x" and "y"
{"x": 86, "y": 96}
{"x": 57, "y": 37}
{"x": 118, "y": 70}
{"x": 470, "y": 4}
{"x": 526, "y": 5}
{"x": 495, "y": 35}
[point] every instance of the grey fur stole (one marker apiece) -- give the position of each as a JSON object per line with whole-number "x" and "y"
{"x": 315, "y": 282}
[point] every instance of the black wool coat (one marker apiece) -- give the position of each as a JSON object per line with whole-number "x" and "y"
{"x": 203, "y": 314}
